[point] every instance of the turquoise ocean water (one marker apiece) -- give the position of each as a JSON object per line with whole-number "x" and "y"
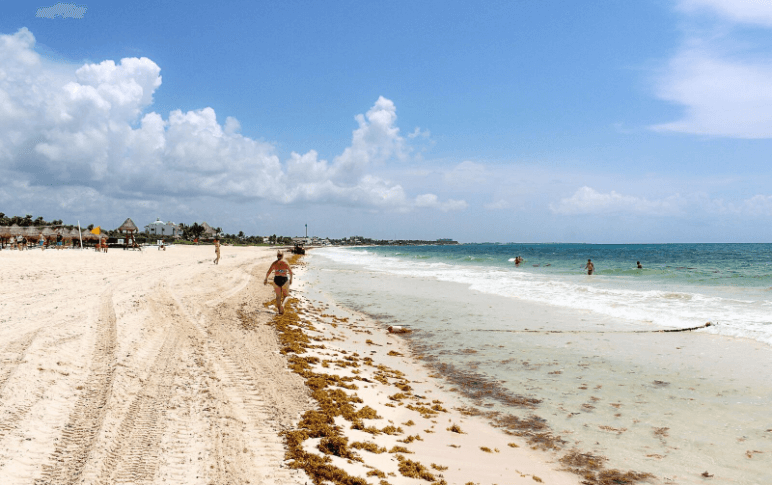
{"x": 680, "y": 285}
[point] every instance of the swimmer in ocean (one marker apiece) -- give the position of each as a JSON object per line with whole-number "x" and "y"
{"x": 589, "y": 267}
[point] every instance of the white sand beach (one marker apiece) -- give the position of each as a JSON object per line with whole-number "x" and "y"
{"x": 160, "y": 367}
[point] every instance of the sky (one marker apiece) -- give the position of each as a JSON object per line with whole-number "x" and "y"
{"x": 513, "y": 121}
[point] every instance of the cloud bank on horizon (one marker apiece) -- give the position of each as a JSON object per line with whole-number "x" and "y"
{"x": 86, "y": 128}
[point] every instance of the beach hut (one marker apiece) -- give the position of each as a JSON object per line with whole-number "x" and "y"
{"x": 130, "y": 229}
{"x": 73, "y": 235}
{"x": 15, "y": 230}
{"x": 5, "y": 235}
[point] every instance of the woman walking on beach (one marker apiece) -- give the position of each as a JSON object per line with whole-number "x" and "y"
{"x": 280, "y": 282}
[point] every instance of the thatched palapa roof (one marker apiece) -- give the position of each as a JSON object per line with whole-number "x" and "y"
{"x": 128, "y": 226}
{"x": 208, "y": 230}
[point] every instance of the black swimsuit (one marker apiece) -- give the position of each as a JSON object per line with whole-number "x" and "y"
{"x": 280, "y": 280}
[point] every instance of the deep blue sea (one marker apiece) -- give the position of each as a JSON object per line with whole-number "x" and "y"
{"x": 680, "y": 285}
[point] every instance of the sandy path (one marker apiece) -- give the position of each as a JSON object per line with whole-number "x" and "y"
{"x": 131, "y": 367}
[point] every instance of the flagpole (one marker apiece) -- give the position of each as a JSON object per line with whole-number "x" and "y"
{"x": 80, "y": 236}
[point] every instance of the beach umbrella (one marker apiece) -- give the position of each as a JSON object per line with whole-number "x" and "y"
{"x": 5, "y": 231}
{"x": 15, "y": 230}
{"x": 48, "y": 232}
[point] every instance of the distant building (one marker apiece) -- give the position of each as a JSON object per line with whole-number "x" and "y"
{"x": 160, "y": 228}
{"x": 209, "y": 232}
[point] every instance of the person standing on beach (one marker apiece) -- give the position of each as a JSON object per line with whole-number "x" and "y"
{"x": 59, "y": 240}
{"x": 217, "y": 250}
{"x": 280, "y": 283}
{"x": 42, "y": 242}
{"x": 589, "y": 267}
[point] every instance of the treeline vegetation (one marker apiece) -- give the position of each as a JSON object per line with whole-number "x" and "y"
{"x": 28, "y": 221}
{"x": 190, "y": 232}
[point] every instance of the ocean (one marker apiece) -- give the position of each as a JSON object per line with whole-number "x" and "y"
{"x": 590, "y": 349}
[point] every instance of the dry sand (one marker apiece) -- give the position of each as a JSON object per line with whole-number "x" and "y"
{"x": 137, "y": 367}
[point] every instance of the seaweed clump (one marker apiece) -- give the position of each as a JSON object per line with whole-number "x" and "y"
{"x": 592, "y": 469}
{"x": 332, "y": 403}
{"x": 414, "y": 469}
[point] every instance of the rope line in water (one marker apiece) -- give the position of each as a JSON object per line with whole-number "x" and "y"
{"x": 600, "y": 331}
{"x": 672, "y": 330}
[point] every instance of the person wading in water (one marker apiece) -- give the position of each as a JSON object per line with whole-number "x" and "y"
{"x": 280, "y": 282}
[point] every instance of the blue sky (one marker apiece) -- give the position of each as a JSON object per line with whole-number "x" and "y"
{"x": 501, "y": 121}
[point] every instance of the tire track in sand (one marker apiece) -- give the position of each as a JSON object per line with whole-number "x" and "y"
{"x": 133, "y": 456}
{"x": 80, "y": 432}
{"x": 18, "y": 348}
{"x": 246, "y": 389}
{"x": 9, "y": 416}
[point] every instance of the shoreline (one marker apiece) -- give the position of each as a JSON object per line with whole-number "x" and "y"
{"x": 396, "y": 386}
{"x": 673, "y": 404}
{"x": 161, "y": 367}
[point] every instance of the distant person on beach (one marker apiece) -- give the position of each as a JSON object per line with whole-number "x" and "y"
{"x": 42, "y": 242}
{"x": 589, "y": 267}
{"x": 21, "y": 242}
{"x": 640, "y": 266}
{"x": 280, "y": 282}
{"x": 161, "y": 246}
{"x": 217, "y": 250}
{"x": 104, "y": 244}
{"x": 59, "y": 241}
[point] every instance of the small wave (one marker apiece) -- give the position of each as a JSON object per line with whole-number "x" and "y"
{"x": 677, "y": 296}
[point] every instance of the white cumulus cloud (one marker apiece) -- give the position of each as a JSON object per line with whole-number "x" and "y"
{"x": 587, "y": 200}
{"x": 91, "y": 127}
{"x": 758, "y": 12}
{"x": 63, "y": 10}
{"x": 724, "y": 87}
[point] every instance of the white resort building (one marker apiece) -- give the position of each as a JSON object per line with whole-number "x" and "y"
{"x": 160, "y": 228}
